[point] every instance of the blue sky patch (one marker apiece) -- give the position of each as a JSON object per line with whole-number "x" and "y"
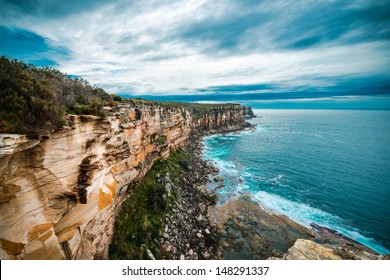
{"x": 29, "y": 47}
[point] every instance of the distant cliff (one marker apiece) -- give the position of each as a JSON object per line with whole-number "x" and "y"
{"x": 248, "y": 112}
{"x": 59, "y": 194}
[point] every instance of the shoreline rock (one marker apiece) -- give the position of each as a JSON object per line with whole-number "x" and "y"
{"x": 246, "y": 231}
{"x": 189, "y": 233}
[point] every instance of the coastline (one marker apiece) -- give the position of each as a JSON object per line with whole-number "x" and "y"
{"x": 184, "y": 230}
{"x": 189, "y": 232}
{"x": 242, "y": 229}
{"x": 232, "y": 218}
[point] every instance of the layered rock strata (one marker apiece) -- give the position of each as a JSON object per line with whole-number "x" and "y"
{"x": 59, "y": 196}
{"x": 310, "y": 250}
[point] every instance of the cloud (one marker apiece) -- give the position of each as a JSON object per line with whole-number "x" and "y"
{"x": 46, "y": 8}
{"x": 28, "y": 46}
{"x": 207, "y": 47}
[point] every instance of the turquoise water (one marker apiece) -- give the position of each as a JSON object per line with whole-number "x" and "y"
{"x": 331, "y": 167}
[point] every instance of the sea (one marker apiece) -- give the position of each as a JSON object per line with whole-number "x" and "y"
{"x": 329, "y": 167}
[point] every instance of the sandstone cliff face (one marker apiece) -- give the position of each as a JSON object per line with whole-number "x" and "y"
{"x": 248, "y": 112}
{"x": 59, "y": 196}
{"x": 219, "y": 119}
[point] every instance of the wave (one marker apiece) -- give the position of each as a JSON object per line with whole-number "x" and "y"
{"x": 240, "y": 179}
{"x": 305, "y": 215}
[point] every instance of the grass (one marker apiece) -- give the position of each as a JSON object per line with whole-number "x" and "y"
{"x": 141, "y": 217}
{"x": 161, "y": 140}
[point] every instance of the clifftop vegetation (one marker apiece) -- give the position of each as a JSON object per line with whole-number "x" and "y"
{"x": 34, "y": 98}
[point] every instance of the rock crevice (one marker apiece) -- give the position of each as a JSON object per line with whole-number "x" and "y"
{"x": 59, "y": 195}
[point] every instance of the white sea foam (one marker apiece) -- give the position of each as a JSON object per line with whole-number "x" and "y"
{"x": 235, "y": 183}
{"x": 276, "y": 180}
{"x": 305, "y": 215}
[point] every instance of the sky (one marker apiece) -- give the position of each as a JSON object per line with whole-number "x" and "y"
{"x": 266, "y": 53}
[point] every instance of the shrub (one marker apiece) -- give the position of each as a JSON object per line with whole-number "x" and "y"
{"x": 161, "y": 140}
{"x": 34, "y": 98}
{"x": 139, "y": 166}
{"x": 141, "y": 216}
{"x": 116, "y": 98}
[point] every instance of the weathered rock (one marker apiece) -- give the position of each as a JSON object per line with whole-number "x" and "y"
{"x": 75, "y": 179}
{"x": 249, "y": 232}
{"x": 309, "y": 250}
{"x": 248, "y": 112}
{"x": 150, "y": 254}
{"x": 218, "y": 179}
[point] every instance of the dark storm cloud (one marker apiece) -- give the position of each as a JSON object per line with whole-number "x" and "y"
{"x": 238, "y": 88}
{"x": 330, "y": 22}
{"x": 266, "y": 25}
{"x": 342, "y": 86}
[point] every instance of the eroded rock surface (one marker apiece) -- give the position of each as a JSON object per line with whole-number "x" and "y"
{"x": 59, "y": 196}
{"x": 310, "y": 250}
{"x": 247, "y": 231}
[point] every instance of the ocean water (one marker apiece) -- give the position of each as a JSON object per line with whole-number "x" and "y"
{"x": 331, "y": 167}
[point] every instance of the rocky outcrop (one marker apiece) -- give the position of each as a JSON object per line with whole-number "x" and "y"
{"x": 59, "y": 196}
{"x": 188, "y": 233}
{"x": 310, "y": 250}
{"x": 248, "y": 112}
{"x": 219, "y": 120}
{"x": 247, "y": 231}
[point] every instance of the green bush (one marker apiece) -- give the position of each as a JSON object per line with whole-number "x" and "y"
{"x": 116, "y": 98}
{"x": 34, "y": 98}
{"x": 139, "y": 166}
{"x": 141, "y": 216}
{"x": 161, "y": 140}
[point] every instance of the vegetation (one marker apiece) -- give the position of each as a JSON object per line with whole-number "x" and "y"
{"x": 139, "y": 166}
{"x": 34, "y": 98}
{"x": 161, "y": 140}
{"x": 116, "y": 97}
{"x": 141, "y": 217}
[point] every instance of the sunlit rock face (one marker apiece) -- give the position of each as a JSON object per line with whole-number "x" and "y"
{"x": 309, "y": 250}
{"x": 59, "y": 196}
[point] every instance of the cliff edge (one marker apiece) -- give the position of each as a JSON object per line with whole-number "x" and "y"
{"x": 59, "y": 194}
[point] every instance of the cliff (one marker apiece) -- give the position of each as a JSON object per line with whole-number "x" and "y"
{"x": 59, "y": 194}
{"x": 248, "y": 112}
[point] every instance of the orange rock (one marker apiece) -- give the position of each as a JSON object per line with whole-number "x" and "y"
{"x": 38, "y": 230}
{"x": 115, "y": 168}
{"x": 105, "y": 199}
{"x": 112, "y": 187}
{"x": 46, "y": 236}
{"x": 12, "y": 248}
